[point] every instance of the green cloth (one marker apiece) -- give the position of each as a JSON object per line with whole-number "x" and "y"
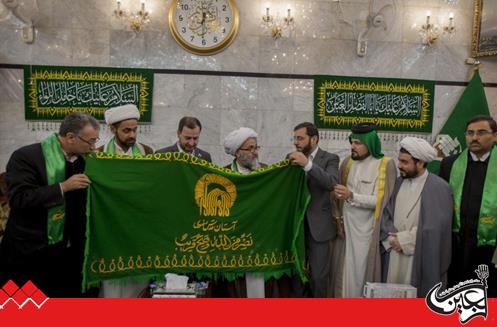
{"x": 172, "y": 212}
{"x": 473, "y": 102}
{"x": 487, "y": 222}
{"x": 434, "y": 166}
{"x": 55, "y": 165}
{"x": 371, "y": 140}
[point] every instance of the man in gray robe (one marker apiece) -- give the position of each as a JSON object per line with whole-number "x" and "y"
{"x": 416, "y": 223}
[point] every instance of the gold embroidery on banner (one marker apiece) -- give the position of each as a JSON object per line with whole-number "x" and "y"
{"x": 262, "y": 260}
{"x": 58, "y": 215}
{"x": 487, "y": 220}
{"x": 212, "y": 200}
{"x": 187, "y": 158}
{"x": 203, "y": 244}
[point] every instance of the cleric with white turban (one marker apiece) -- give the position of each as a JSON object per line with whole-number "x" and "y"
{"x": 118, "y": 114}
{"x": 123, "y": 124}
{"x": 418, "y": 148}
{"x": 236, "y": 138}
{"x": 242, "y": 144}
{"x": 416, "y": 224}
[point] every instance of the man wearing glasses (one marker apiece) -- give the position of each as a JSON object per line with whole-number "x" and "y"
{"x": 45, "y": 235}
{"x": 472, "y": 176}
{"x": 242, "y": 145}
{"x": 321, "y": 168}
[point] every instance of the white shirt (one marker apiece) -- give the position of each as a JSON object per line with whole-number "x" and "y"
{"x": 483, "y": 157}
{"x": 242, "y": 169}
{"x": 180, "y": 149}
{"x": 71, "y": 159}
{"x": 311, "y": 157}
{"x": 120, "y": 150}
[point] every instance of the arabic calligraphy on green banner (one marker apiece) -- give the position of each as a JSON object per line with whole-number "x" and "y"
{"x": 53, "y": 92}
{"x": 392, "y": 104}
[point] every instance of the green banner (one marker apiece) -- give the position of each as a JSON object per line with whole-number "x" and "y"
{"x": 392, "y": 104}
{"x": 51, "y": 93}
{"x": 171, "y": 212}
{"x": 451, "y": 139}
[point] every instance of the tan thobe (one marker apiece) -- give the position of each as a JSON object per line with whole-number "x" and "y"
{"x": 358, "y": 218}
{"x": 406, "y": 217}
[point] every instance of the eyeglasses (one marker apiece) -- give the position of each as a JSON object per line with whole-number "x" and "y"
{"x": 251, "y": 148}
{"x": 481, "y": 132}
{"x": 89, "y": 142}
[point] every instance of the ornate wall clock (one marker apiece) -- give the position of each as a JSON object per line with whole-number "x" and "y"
{"x": 204, "y": 27}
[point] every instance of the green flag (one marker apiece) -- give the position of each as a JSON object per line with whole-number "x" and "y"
{"x": 473, "y": 102}
{"x": 451, "y": 139}
{"x": 172, "y": 212}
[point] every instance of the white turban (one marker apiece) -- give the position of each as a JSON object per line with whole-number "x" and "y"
{"x": 419, "y": 148}
{"x": 235, "y": 139}
{"x": 117, "y": 114}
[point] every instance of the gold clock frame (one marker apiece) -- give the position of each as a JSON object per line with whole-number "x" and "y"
{"x": 199, "y": 50}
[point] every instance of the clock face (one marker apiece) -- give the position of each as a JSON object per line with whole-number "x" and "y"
{"x": 203, "y": 26}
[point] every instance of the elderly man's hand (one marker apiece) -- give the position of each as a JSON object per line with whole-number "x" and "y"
{"x": 75, "y": 182}
{"x": 298, "y": 158}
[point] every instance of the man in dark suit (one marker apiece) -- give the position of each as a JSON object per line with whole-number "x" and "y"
{"x": 473, "y": 179}
{"x": 45, "y": 235}
{"x": 322, "y": 176}
{"x": 189, "y": 129}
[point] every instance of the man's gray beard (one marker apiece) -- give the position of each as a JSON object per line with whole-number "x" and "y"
{"x": 250, "y": 164}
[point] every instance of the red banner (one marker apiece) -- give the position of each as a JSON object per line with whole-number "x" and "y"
{"x": 234, "y": 312}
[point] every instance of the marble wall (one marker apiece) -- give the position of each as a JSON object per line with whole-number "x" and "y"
{"x": 85, "y": 33}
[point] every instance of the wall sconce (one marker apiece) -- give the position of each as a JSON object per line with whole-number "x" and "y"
{"x": 450, "y": 28}
{"x": 135, "y": 19}
{"x": 428, "y": 31}
{"x": 276, "y": 26}
{"x": 25, "y": 14}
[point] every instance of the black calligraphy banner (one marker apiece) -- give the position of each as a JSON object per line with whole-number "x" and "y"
{"x": 392, "y": 104}
{"x": 53, "y": 92}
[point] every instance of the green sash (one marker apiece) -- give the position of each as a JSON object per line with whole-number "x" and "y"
{"x": 55, "y": 165}
{"x": 110, "y": 147}
{"x": 487, "y": 223}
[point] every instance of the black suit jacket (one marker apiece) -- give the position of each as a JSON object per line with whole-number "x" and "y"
{"x": 30, "y": 197}
{"x": 174, "y": 148}
{"x": 446, "y": 166}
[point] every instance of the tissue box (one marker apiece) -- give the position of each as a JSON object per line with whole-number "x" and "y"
{"x": 159, "y": 290}
{"x": 195, "y": 289}
{"x": 389, "y": 290}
